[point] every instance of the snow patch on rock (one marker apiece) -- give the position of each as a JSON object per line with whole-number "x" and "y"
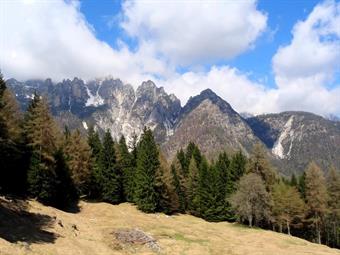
{"x": 94, "y": 100}
{"x": 85, "y": 125}
{"x": 287, "y": 133}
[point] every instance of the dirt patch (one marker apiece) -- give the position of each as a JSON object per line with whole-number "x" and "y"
{"x": 135, "y": 237}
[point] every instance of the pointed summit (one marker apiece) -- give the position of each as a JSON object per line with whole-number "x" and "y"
{"x": 210, "y": 95}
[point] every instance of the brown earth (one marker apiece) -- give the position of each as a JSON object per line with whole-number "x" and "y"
{"x": 31, "y": 228}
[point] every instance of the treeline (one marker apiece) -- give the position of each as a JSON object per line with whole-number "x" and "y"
{"x": 57, "y": 167}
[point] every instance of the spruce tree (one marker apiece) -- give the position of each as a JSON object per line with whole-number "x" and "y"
{"x": 146, "y": 195}
{"x": 65, "y": 189}
{"x": 193, "y": 186}
{"x": 42, "y": 180}
{"x": 111, "y": 176}
{"x": 237, "y": 165}
{"x": 127, "y": 169}
{"x": 316, "y": 197}
{"x": 293, "y": 181}
{"x": 94, "y": 186}
{"x": 180, "y": 184}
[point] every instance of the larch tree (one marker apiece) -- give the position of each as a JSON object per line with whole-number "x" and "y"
{"x": 14, "y": 165}
{"x": 41, "y": 134}
{"x": 259, "y": 164}
{"x": 179, "y": 181}
{"x": 316, "y": 198}
{"x": 78, "y": 155}
{"x": 333, "y": 217}
{"x": 287, "y": 206}
{"x": 251, "y": 201}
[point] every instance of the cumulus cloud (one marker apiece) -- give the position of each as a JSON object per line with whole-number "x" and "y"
{"x": 195, "y": 32}
{"x": 53, "y": 39}
{"x": 304, "y": 68}
{"x": 314, "y": 53}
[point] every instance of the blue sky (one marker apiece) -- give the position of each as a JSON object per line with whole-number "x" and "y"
{"x": 259, "y": 55}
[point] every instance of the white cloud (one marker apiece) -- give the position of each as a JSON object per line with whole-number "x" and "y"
{"x": 194, "y": 32}
{"x": 305, "y": 67}
{"x": 229, "y": 83}
{"x": 314, "y": 52}
{"x": 53, "y": 39}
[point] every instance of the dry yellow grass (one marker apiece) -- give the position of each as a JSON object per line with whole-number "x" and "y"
{"x": 180, "y": 234}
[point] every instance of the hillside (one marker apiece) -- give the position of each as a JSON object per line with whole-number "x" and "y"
{"x": 45, "y": 230}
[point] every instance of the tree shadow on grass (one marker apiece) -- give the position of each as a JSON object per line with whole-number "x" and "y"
{"x": 17, "y": 224}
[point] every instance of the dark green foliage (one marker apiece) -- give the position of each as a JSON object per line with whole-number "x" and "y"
{"x": 302, "y": 185}
{"x": 146, "y": 196}
{"x": 111, "y": 176}
{"x": 94, "y": 185}
{"x": 125, "y": 163}
{"x": 237, "y": 166}
{"x": 178, "y": 183}
{"x": 193, "y": 186}
{"x": 13, "y": 164}
{"x": 293, "y": 181}
{"x": 66, "y": 192}
{"x": 41, "y": 180}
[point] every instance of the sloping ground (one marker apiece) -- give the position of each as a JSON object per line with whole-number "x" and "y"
{"x": 93, "y": 230}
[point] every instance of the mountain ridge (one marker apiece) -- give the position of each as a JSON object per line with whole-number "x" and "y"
{"x": 205, "y": 119}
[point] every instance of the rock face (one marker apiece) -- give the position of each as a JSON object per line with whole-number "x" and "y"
{"x": 293, "y": 139}
{"x": 213, "y": 124}
{"x": 296, "y": 138}
{"x": 106, "y": 104}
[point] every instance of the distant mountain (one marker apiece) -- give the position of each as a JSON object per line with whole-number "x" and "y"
{"x": 292, "y": 138}
{"x": 296, "y": 138}
{"x": 213, "y": 124}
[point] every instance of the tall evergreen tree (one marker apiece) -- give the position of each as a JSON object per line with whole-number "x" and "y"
{"x": 293, "y": 181}
{"x": 193, "y": 186}
{"x": 316, "y": 197}
{"x": 146, "y": 195}
{"x": 111, "y": 176}
{"x": 125, "y": 163}
{"x": 65, "y": 190}
{"x": 94, "y": 185}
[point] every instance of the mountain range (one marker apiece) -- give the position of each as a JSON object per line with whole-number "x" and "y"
{"x": 292, "y": 139}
